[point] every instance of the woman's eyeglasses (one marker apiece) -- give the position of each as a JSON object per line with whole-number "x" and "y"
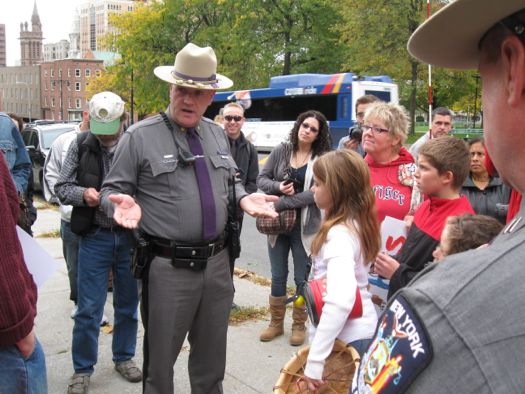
{"x": 308, "y": 127}
{"x": 230, "y": 118}
{"x": 377, "y": 130}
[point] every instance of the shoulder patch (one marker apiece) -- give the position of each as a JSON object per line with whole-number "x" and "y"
{"x": 399, "y": 351}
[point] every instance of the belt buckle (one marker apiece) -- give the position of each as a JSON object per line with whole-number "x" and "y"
{"x": 212, "y": 249}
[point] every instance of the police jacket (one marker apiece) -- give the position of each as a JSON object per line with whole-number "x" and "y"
{"x": 89, "y": 174}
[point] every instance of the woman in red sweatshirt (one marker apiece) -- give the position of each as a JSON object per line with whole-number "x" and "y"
{"x": 391, "y": 166}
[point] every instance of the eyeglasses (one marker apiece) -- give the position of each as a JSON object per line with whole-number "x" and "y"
{"x": 377, "y": 130}
{"x": 230, "y": 118}
{"x": 308, "y": 127}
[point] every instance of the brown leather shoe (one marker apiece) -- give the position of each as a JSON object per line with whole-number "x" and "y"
{"x": 129, "y": 371}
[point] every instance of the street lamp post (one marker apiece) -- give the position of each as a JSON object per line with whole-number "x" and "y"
{"x": 28, "y": 98}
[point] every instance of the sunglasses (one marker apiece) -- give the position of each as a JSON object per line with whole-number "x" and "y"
{"x": 230, "y": 118}
{"x": 308, "y": 127}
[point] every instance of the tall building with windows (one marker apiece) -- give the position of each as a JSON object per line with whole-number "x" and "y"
{"x": 3, "y": 58}
{"x": 63, "y": 87}
{"x": 56, "y": 50}
{"x": 31, "y": 40}
{"x": 94, "y": 21}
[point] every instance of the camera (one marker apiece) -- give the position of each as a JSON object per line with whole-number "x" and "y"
{"x": 356, "y": 133}
{"x": 291, "y": 177}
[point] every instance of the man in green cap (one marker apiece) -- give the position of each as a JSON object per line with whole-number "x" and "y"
{"x": 104, "y": 246}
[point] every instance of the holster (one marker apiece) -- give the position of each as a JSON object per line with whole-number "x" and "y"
{"x": 141, "y": 256}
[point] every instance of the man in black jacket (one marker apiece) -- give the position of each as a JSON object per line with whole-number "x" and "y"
{"x": 243, "y": 152}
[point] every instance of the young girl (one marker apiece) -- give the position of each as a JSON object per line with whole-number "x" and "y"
{"x": 342, "y": 250}
{"x": 466, "y": 232}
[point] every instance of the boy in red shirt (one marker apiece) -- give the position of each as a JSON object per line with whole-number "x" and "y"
{"x": 443, "y": 165}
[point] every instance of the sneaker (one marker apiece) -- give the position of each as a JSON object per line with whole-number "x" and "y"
{"x": 78, "y": 384}
{"x": 129, "y": 371}
{"x": 74, "y": 312}
{"x": 104, "y": 321}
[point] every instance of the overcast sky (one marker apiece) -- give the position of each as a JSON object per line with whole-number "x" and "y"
{"x": 55, "y": 15}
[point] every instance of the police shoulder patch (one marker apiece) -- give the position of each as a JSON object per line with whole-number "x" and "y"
{"x": 400, "y": 350}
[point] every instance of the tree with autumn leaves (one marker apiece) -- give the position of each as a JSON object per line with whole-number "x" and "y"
{"x": 257, "y": 39}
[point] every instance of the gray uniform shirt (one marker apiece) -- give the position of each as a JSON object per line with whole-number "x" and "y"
{"x": 472, "y": 308}
{"x": 146, "y": 166}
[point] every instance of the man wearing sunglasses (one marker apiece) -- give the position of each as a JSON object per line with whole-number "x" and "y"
{"x": 243, "y": 152}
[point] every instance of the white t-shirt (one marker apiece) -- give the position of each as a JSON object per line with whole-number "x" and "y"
{"x": 341, "y": 262}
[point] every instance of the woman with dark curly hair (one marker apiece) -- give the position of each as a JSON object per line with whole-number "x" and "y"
{"x": 288, "y": 174}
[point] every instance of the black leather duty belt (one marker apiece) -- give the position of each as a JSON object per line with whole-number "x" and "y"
{"x": 192, "y": 256}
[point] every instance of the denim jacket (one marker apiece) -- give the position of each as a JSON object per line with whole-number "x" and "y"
{"x": 15, "y": 153}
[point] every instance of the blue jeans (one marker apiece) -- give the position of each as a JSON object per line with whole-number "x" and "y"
{"x": 279, "y": 260}
{"x": 19, "y": 375}
{"x": 100, "y": 251}
{"x": 70, "y": 252}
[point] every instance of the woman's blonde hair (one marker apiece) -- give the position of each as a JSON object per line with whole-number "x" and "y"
{"x": 347, "y": 179}
{"x": 395, "y": 118}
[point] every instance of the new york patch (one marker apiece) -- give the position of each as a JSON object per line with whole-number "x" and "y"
{"x": 400, "y": 350}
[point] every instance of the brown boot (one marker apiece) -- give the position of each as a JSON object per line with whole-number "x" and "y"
{"x": 277, "y": 311}
{"x": 299, "y": 316}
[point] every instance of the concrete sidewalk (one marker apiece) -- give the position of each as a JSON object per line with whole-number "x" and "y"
{"x": 252, "y": 366}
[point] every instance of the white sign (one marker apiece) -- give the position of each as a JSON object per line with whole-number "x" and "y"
{"x": 393, "y": 237}
{"x": 40, "y": 264}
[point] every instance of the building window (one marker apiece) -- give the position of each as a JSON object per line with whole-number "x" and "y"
{"x": 45, "y": 73}
{"x": 52, "y": 85}
{"x": 79, "y": 103}
{"x": 88, "y": 72}
{"x": 45, "y": 101}
{"x": 52, "y": 102}
{"x": 52, "y": 73}
{"x": 68, "y": 72}
{"x": 97, "y": 72}
{"x": 77, "y": 86}
{"x": 77, "y": 72}
{"x": 60, "y": 73}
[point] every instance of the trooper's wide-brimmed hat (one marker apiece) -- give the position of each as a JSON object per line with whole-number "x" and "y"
{"x": 196, "y": 68}
{"x": 450, "y": 38}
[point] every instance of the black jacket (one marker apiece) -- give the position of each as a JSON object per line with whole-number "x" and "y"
{"x": 423, "y": 237}
{"x": 492, "y": 201}
{"x": 89, "y": 174}
{"x": 247, "y": 161}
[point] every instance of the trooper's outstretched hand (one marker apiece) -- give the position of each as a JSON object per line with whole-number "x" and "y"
{"x": 127, "y": 211}
{"x": 258, "y": 204}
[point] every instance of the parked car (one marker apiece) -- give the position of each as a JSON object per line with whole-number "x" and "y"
{"x": 38, "y": 140}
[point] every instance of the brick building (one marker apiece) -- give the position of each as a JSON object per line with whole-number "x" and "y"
{"x": 63, "y": 87}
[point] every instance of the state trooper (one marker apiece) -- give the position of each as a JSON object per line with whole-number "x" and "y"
{"x": 458, "y": 327}
{"x": 171, "y": 177}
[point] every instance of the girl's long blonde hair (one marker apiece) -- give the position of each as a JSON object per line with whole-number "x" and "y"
{"x": 347, "y": 179}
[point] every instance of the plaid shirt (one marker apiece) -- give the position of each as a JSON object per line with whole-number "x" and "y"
{"x": 71, "y": 193}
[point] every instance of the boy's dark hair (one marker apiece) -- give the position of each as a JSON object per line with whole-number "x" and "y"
{"x": 448, "y": 154}
{"x": 470, "y": 231}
